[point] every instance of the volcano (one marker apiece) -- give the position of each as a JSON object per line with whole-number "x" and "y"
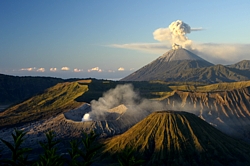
{"x": 180, "y": 138}
{"x": 178, "y": 65}
{"x": 168, "y": 65}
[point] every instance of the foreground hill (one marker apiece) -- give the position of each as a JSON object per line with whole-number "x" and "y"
{"x": 183, "y": 65}
{"x": 180, "y": 138}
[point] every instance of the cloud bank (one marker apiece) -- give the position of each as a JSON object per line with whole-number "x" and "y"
{"x": 212, "y": 52}
{"x": 121, "y": 69}
{"x": 41, "y": 69}
{"x": 95, "y": 69}
{"x": 154, "y": 48}
{"x": 65, "y": 68}
{"x": 53, "y": 69}
{"x": 78, "y": 70}
{"x": 28, "y": 69}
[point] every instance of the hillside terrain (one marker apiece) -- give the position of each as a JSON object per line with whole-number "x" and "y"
{"x": 242, "y": 65}
{"x": 62, "y": 108}
{"x": 180, "y": 138}
{"x": 14, "y": 89}
{"x": 64, "y": 97}
{"x": 53, "y": 101}
{"x": 224, "y": 105}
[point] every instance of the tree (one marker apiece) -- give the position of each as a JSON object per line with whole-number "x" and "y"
{"x": 19, "y": 155}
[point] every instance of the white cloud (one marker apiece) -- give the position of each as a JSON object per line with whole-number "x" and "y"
{"x": 213, "y": 52}
{"x": 197, "y": 29}
{"x": 95, "y": 69}
{"x": 154, "y": 48}
{"x": 41, "y": 69}
{"x": 65, "y": 68}
{"x": 121, "y": 69}
{"x": 222, "y": 53}
{"x": 53, "y": 69}
{"x": 78, "y": 70}
{"x": 28, "y": 69}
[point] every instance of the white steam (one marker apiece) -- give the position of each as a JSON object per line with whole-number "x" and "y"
{"x": 175, "y": 34}
{"x": 123, "y": 94}
{"x": 86, "y": 117}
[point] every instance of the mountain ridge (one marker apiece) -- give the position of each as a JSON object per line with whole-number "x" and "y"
{"x": 183, "y": 65}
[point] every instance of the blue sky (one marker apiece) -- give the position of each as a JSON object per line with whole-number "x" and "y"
{"x": 111, "y": 39}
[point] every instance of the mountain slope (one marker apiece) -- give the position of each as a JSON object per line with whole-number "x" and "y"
{"x": 242, "y": 65}
{"x": 53, "y": 101}
{"x": 169, "y": 64}
{"x": 183, "y": 65}
{"x": 212, "y": 74}
{"x": 180, "y": 138}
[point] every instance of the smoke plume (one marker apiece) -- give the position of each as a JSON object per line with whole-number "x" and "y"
{"x": 123, "y": 94}
{"x": 175, "y": 34}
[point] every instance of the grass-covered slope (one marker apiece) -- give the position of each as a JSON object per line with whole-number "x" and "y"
{"x": 53, "y": 101}
{"x": 180, "y": 138}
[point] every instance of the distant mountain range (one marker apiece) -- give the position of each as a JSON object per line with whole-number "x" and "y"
{"x": 183, "y": 65}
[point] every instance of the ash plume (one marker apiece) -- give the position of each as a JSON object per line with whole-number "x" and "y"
{"x": 175, "y": 34}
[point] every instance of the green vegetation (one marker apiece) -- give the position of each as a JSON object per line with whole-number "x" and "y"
{"x": 128, "y": 157}
{"x": 19, "y": 155}
{"x": 50, "y": 156}
{"x": 85, "y": 152}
